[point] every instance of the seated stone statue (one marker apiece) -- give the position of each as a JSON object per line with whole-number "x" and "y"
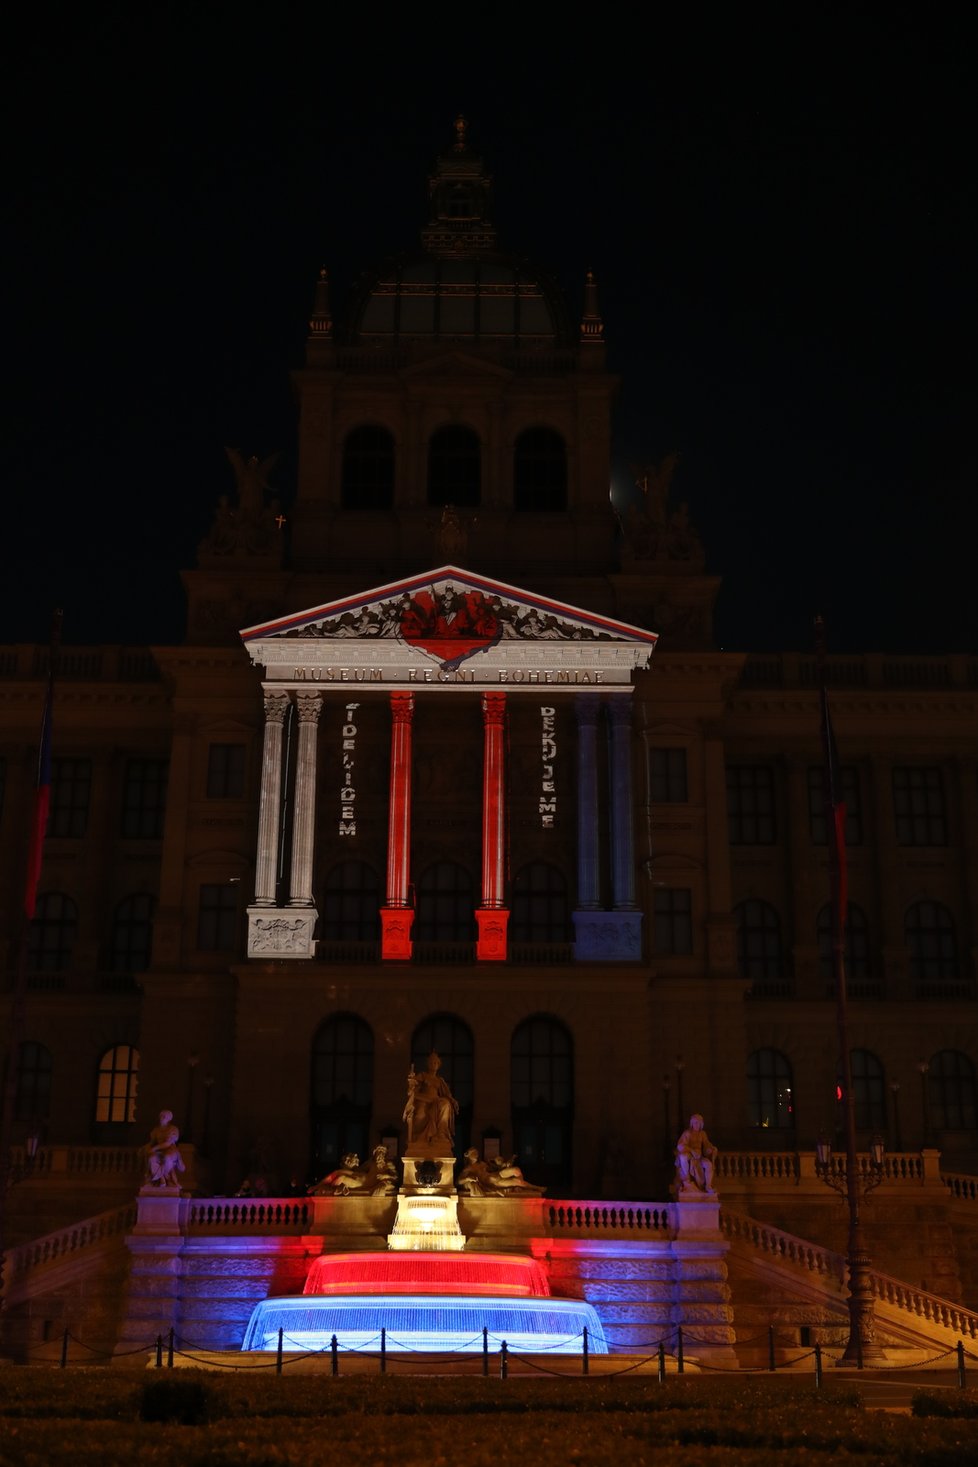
{"x": 431, "y": 1108}
{"x": 348, "y": 1177}
{"x": 500, "y": 1177}
{"x": 163, "y": 1160}
{"x": 695, "y": 1154}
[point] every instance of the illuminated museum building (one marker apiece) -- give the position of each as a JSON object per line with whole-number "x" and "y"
{"x": 446, "y": 789}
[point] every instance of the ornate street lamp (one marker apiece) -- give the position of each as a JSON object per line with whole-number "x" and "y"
{"x": 853, "y": 1185}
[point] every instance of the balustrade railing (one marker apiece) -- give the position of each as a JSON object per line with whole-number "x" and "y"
{"x": 68, "y": 1242}
{"x": 602, "y": 1218}
{"x": 962, "y": 1188}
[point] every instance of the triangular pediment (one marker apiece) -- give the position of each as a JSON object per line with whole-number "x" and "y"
{"x": 449, "y": 624}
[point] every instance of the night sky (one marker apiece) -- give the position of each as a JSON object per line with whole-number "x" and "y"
{"x": 779, "y": 208}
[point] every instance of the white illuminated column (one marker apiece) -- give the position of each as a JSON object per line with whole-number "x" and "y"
{"x": 309, "y": 707}
{"x": 270, "y": 802}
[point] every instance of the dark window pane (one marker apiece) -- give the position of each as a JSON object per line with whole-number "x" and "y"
{"x": 918, "y": 807}
{"x": 750, "y": 805}
{"x": 225, "y": 771}
{"x": 144, "y": 799}
{"x": 667, "y": 776}
{"x": 71, "y": 787}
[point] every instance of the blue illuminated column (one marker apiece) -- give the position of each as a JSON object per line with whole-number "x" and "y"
{"x": 587, "y": 706}
{"x": 622, "y": 840}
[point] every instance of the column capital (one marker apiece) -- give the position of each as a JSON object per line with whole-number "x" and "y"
{"x": 275, "y": 707}
{"x": 310, "y": 705}
{"x": 402, "y": 707}
{"x": 493, "y": 707}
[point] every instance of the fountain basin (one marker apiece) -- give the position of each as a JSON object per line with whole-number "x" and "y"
{"x": 489, "y": 1274}
{"x": 425, "y": 1322}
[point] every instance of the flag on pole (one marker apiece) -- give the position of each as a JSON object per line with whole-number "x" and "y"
{"x": 836, "y": 809}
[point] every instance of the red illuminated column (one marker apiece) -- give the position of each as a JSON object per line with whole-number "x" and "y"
{"x": 269, "y": 807}
{"x": 493, "y": 916}
{"x": 396, "y": 917}
{"x": 309, "y": 706}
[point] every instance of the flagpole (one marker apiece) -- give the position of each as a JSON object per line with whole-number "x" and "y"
{"x": 861, "y": 1347}
{"x": 32, "y": 873}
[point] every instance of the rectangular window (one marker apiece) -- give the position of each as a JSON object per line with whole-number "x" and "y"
{"x": 849, "y": 780}
{"x": 750, "y": 805}
{"x": 217, "y": 917}
{"x": 667, "y": 771}
{"x": 225, "y": 771}
{"x": 71, "y": 788}
{"x": 144, "y": 799}
{"x": 918, "y": 807}
{"x": 673, "y": 920}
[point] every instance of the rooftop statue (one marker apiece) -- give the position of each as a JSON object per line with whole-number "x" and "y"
{"x": 695, "y": 1154}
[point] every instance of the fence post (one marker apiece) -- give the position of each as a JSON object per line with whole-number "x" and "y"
{"x": 485, "y": 1350}
{"x": 960, "y": 1363}
{"x": 334, "y": 1353}
{"x": 278, "y": 1355}
{"x": 770, "y": 1347}
{"x": 662, "y": 1361}
{"x": 64, "y": 1349}
{"x": 169, "y": 1350}
{"x": 584, "y": 1359}
{"x": 680, "y": 1364}
{"x": 383, "y": 1349}
{"x": 818, "y": 1366}
{"x": 503, "y": 1363}
{"x": 159, "y": 1352}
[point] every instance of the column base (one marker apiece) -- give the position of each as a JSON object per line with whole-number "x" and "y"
{"x": 395, "y": 933}
{"x": 493, "y": 923}
{"x": 614, "y": 937}
{"x": 281, "y": 932}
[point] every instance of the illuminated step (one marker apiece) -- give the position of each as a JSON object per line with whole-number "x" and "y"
{"x": 423, "y": 1322}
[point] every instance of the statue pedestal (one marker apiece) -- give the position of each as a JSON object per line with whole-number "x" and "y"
{"x": 281, "y": 932}
{"x": 395, "y": 933}
{"x": 427, "y": 1206}
{"x": 492, "y": 923}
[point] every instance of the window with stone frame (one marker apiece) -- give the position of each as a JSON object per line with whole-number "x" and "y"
{"x": 673, "y": 927}
{"x": 144, "y": 799}
{"x": 32, "y": 1095}
{"x": 932, "y": 944}
{"x": 760, "y": 955}
{"x": 869, "y": 1090}
{"x": 71, "y": 792}
{"x": 770, "y": 1090}
{"x": 225, "y": 771}
{"x": 951, "y": 1091}
{"x": 132, "y": 934}
{"x": 51, "y": 935}
{"x": 351, "y": 903}
{"x": 918, "y": 807}
{"x": 852, "y": 796}
{"x": 446, "y": 903}
{"x": 116, "y": 1086}
{"x": 217, "y": 916}
{"x": 751, "y": 805}
{"x": 540, "y": 905}
{"x": 667, "y": 776}
{"x": 857, "y": 943}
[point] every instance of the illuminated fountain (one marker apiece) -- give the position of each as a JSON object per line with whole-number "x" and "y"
{"x": 424, "y": 1290}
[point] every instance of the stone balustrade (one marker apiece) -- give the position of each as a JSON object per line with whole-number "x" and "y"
{"x": 961, "y": 1188}
{"x": 733, "y": 1169}
{"x": 66, "y": 1243}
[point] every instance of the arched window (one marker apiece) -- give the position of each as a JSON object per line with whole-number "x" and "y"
{"x": 454, "y": 467}
{"x": 540, "y": 471}
{"x": 951, "y": 1091}
{"x": 759, "y": 955}
{"x": 118, "y": 1081}
{"x": 452, "y": 1041}
{"x": 52, "y": 933}
{"x": 540, "y": 906}
{"x": 770, "y": 1090}
{"x": 368, "y": 469}
{"x": 446, "y": 903}
{"x": 542, "y": 1096}
{"x": 857, "y": 943}
{"x": 352, "y": 903}
{"x": 869, "y": 1090}
{"x": 931, "y": 942}
{"x": 342, "y": 1091}
{"x": 32, "y": 1097}
{"x": 132, "y": 934}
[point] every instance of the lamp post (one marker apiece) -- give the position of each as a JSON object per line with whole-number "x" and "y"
{"x": 861, "y": 1347}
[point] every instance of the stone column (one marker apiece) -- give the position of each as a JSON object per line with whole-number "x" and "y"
{"x": 309, "y": 706}
{"x": 493, "y": 916}
{"x": 396, "y": 916}
{"x": 622, "y": 837}
{"x": 270, "y": 805}
{"x": 587, "y": 707}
